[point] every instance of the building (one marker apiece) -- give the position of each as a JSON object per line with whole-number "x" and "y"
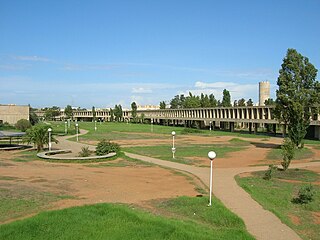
{"x": 12, "y": 113}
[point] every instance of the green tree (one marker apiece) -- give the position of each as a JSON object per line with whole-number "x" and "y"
{"x": 297, "y": 96}
{"x": 23, "y": 125}
{"x": 235, "y": 103}
{"x": 163, "y": 105}
{"x": 134, "y": 111}
{"x": 269, "y": 102}
{"x": 111, "y": 115}
{"x": 250, "y": 102}
{"x": 226, "y": 98}
{"x": 39, "y": 136}
{"x": 192, "y": 101}
{"x": 118, "y": 112}
{"x": 213, "y": 100}
{"x": 288, "y": 151}
{"x": 204, "y": 101}
{"x": 242, "y": 102}
{"x": 94, "y": 113}
{"x": 33, "y": 118}
{"x": 51, "y": 113}
{"x": 68, "y": 111}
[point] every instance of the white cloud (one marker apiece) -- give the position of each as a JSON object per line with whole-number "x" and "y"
{"x": 141, "y": 90}
{"x": 84, "y": 67}
{"x": 32, "y": 58}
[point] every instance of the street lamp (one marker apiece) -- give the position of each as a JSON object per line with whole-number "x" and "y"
{"x": 212, "y": 155}
{"x": 95, "y": 125}
{"x": 210, "y": 126}
{"x": 77, "y": 130}
{"x": 65, "y": 127}
{"x": 49, "y": 131}
{"x": 173, "y": 148}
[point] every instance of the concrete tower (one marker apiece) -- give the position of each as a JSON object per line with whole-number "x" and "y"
{"x": 264, "y": 92}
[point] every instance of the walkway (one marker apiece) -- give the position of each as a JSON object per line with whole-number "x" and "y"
{"x": 261, "y": 223}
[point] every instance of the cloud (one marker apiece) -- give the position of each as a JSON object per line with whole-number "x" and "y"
{"x": 31, "y": 58}
{"x": 14, "y": 67}
{"x": 84, "y": 67}
{"x": 141, "y": 90}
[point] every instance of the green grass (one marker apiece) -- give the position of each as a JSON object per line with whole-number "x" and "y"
{"x": 183, "y": 154}
{"x": 17, "y": 202}
{"x": 114, "y": 221}
{"x": 239, "y": 142}
{"x": 276, "y": 196}
{"x": 304, "y": 153}
{"x": 26, "y": 156}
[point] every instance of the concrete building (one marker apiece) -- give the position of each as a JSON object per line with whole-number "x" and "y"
{"x": 12, "y": 113}
{"x": 264, "y": 92}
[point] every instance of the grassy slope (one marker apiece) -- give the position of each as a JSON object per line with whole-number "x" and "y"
{"x": 304, "y": 153}
{"x": 111, "y": 221}
{"x": 276, "y": 195}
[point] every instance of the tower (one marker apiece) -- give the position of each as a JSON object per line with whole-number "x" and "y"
{"x": 264, "y": 92}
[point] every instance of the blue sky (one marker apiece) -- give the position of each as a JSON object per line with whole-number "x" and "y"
{"x": 102, "y": 53}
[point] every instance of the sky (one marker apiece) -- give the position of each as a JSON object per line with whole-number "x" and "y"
{"x": 102, "y": 53}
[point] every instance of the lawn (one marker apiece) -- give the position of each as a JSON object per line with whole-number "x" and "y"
{"x": 116, "y": 221}
{"x": 186, "y": 154}
{"x": 304, "y": 153}
{"x": 276, "y": 195}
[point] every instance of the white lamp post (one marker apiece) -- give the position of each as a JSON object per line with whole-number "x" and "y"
{"x": 212, "y": 155}
{"x": 95, "y": 125}
{"x": 173, "y": 148}
{"x": 77, "y": 130}
{"x": 49, "y": 131}
{"x": 210, "y": 126}
{"x": 65, "y": 127}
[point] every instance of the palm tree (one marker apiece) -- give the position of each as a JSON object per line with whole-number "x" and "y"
{"x": 39, "y": 136}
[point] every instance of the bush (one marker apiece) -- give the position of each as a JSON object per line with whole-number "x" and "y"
{"x": 288, "y": 151}
{"x": 268, "y": 173}
{"x": 190, "y": 130}
{"x": 104, "y": 147}
{"x": 305, "y": 195}
{"x": 23, "y": 125}
{"x": 85, "y": 152}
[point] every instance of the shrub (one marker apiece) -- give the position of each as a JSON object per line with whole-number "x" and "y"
{"x": 190, "y": 130}
{"x": 23, "y": 125}
{"x": 104, "y": 147}
{"x": 85, "y": 152}
{"x": 268, "y": 173}
{"x": 288, "y": 151}
{"x": 305, "y": 195}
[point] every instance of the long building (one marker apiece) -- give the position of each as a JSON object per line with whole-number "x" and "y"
{"x": 219, "y": 117}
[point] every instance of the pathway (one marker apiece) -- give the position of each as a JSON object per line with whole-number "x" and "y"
{"x": 261, "y": 223}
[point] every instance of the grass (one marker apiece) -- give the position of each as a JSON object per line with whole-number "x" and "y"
{"x": 304, "y": 153}
{"x": 183, "y": 154}
{"x": 26, "y": 156}
{"x": 276, "y": 196}
{"x": 239, "y": 142}
{"x": 17, "y": 202}
{"x": 114, "y": 221}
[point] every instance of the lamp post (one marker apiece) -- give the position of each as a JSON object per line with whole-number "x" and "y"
{"x": 95, "y": 125}
{"x": 77, "y": 130}
{"x": 65, "y": 127}
{"x": 210, "y": 126}
{"x": 212, "y": 155}
{"x": 173, "y": 148}
{"x": 49, "y": 131}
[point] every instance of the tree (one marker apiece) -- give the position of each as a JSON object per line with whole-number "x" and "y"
{"x": 23, "y": 125}
{"x": 33, "y": 118}
{"x": 39, "y": 136}
{"x": 297, "y": 96}
{"x": 68, "y": 111}
{"x": 250, "y": 102}
{"x": 204, "y": 101}
{"x": 111, "y": 115}
{"x": 94, "y": 113}
{"x": 177, "y": 101}
{"x": 288, "y": 151}
{"x": 235, "y": 103}
{"x": 51, "y": 113}
{"x": 226, "y": 98}
{"x": 242, "y": 102}
{"x": 213, "y": 100}
{"x": 163, "y": 105}
{"x": 269, "y": 102}
{"x": 117, "y": 112}
{"x": 134, "y": 111}
{"x": 192, "y": 101}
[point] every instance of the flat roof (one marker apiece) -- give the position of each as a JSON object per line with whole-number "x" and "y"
{"x": 6, "y": 134}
